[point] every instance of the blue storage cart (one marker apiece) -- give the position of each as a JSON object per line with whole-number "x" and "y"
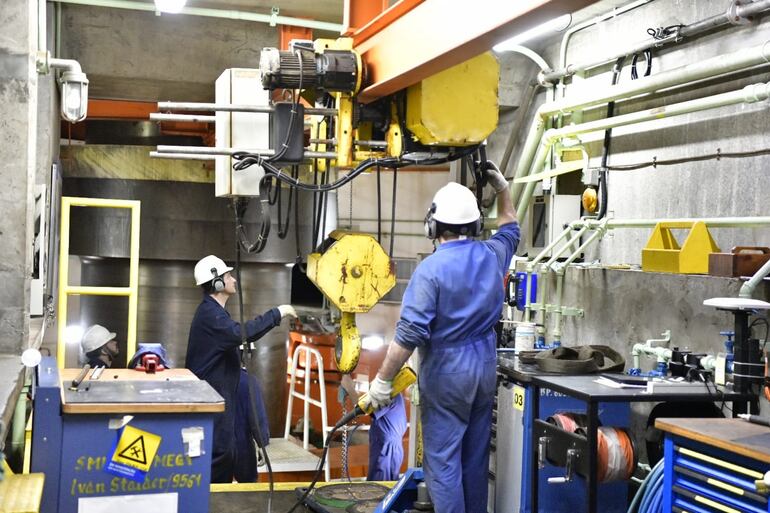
{"x": 90, "y": 441}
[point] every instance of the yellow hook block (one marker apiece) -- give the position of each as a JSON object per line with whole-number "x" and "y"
{"x": 354, "y": 273}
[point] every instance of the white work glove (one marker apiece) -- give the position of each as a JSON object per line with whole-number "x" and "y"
{"x": 379, "y": 393}
{"x": 495, "y": 178}
{"x": 287, "y": 310}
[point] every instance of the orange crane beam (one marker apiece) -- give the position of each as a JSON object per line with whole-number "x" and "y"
{"x": 429, "y": 36}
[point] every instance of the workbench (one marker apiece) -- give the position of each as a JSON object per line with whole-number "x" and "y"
{"x": 592, "y": 394}
{"x": 89, "y": 440}
{"x": 512, "y": 435}
{"x": 711, "y": 464}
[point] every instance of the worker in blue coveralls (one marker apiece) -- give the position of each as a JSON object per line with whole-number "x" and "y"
{"x": 386, "y": 435}
{"x": 212, "y": 352}
{"x": 449, "y": 310}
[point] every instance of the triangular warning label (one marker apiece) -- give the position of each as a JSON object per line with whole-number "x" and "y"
{"x": 135, "y": 451}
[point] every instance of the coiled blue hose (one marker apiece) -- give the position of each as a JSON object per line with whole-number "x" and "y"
{"x": 649, "y": 497}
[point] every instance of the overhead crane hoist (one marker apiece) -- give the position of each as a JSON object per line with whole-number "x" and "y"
{"x": 413, "y": 126}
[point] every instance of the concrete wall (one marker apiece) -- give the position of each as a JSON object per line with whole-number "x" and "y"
{"x": 18, "y": 117}
{"x": 138, "y": 55}
{"x": 625, "y": 307}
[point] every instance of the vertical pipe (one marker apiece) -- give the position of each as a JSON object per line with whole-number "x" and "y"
{"x": 557, "y": 315}
{"x": 64, "y": 250}
{"x": 19, "y": 423}
{"x": 42, "y": 21}
{"x": 558, "y": 310}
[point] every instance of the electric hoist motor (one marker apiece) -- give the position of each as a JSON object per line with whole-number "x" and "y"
{"x": 330, "y": 70}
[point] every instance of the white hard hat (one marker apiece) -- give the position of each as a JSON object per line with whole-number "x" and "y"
{"x": 208, "y": 268}
{"x": 95, "y": 337}
{"x": 455, "y": 204}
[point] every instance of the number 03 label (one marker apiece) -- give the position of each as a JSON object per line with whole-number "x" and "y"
{"x": 518, "y": 398}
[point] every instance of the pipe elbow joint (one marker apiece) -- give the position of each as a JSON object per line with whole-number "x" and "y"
{"x": 756, "y": 93}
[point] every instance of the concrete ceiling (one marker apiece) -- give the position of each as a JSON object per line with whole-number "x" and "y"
{"x": 321, "y": 10}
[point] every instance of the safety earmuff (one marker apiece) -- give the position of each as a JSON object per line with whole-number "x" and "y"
{"x": 218, "y": 283}
{"x": 430, "y": 224}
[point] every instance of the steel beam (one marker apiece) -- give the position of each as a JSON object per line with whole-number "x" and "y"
{"x": 437, "y": 34}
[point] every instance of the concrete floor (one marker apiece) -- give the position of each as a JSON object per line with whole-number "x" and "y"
{"x": 238, "y": 502}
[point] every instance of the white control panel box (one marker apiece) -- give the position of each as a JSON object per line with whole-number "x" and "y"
{"x": 240, "y": 130}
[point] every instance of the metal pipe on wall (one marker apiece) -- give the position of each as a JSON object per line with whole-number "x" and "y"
{"x": 729, "y": 17}
{"x": 708, "y": 68}
{"x": 749, "y": 94}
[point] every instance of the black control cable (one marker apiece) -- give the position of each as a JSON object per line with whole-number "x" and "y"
{"x": 616, "y": 69}
{"x": 256, "y": 433}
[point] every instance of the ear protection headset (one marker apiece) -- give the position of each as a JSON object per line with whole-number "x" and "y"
{"x": 430, "y": 225}
{"x": 218, "y": 283}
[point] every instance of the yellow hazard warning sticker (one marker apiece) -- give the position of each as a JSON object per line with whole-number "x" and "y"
{"x": 136, "y": 448}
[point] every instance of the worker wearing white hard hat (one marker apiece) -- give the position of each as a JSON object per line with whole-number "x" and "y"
{"x": 212, "y": 352}
{"x": 98, "y": 347}
{"x": 448, "y": 313}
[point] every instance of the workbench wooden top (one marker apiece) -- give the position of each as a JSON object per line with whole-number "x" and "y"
{"x": 67, "y": 375}
{"x": 202, "y": 398}
{"x": 734, "y": 435}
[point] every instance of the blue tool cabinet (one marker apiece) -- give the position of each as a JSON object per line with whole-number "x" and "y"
{"x": 712, "y": 465}
{"x": 74, "y": 449}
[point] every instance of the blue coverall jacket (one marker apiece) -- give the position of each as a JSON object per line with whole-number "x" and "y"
{"x": 386, "y": 446}
{"x": 449, "y": 311}
{"x": 212, "y": 355}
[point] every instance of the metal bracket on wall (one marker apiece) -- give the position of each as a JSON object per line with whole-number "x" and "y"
{"x": 565, "y": 310}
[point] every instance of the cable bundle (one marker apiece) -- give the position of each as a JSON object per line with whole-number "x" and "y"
{"x": 614, "y": 447}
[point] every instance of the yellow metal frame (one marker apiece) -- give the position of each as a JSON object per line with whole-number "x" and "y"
{"x": 663, "y": 254}
{"x": 65, "y": 290}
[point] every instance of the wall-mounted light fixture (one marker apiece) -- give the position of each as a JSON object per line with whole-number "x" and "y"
{"x": 73, "y": 85}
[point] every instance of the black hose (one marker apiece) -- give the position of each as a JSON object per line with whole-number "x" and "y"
{"x": 254, "y": 424}
{"x": 319, "y": 469}
{"x": 606, "y": 147}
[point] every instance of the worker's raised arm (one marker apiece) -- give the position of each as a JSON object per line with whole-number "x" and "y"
{"x": 505, "y": 211}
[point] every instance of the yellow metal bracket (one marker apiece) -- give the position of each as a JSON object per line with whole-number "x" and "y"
{"x": 663, "y": 253}
{"x": 66, "y": 290}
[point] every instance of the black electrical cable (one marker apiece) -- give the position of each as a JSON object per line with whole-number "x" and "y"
{"x": 648, "y": 57}
{"x": 239, "y": 206}
{"x": 246, "y": 159}
{"x": 393, "y": 214}
{"x": 606, "y": 145}
{"x": 254, "y": 424}
{"x": 762, "y": 320}
{"x": 283, "y": 229}
{"x": 684, "y": 160}
{"x": 319, "y": 469}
